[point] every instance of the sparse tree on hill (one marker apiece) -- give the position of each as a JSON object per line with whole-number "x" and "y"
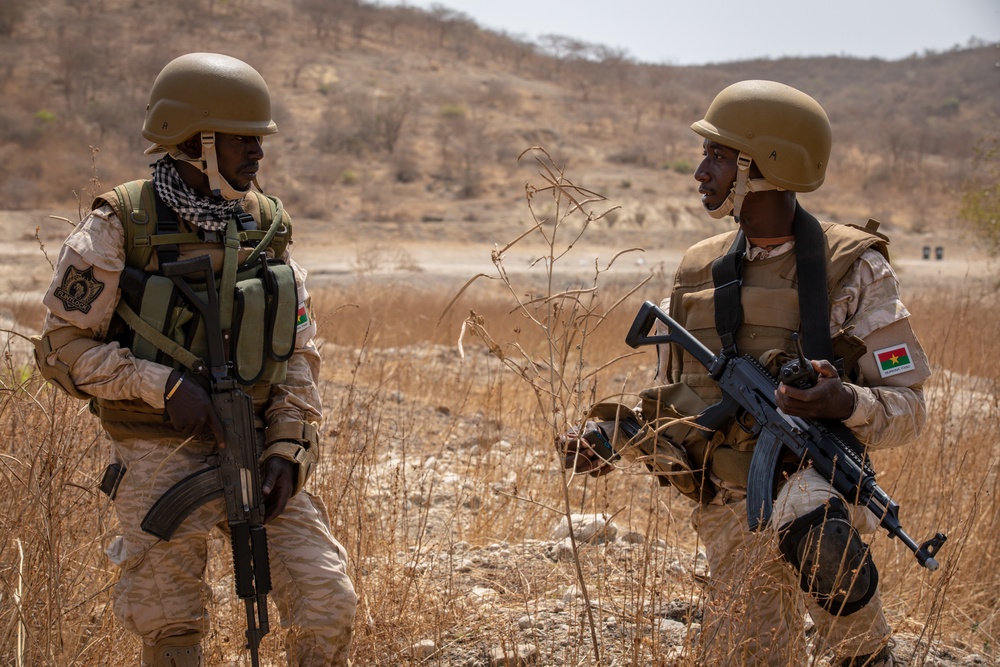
{"x": 981, "y": 193}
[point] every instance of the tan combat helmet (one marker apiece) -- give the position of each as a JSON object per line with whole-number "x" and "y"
{"x": 782, "y": 130}
{"x": 206, "y": 93}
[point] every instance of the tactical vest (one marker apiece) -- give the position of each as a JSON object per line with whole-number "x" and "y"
{"x": 257, "y": 297}
{"x": 769, "y": 296}
{"x": 770, "y": 304}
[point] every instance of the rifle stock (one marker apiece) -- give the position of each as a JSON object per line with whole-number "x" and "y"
{"x": 834, "y": 452}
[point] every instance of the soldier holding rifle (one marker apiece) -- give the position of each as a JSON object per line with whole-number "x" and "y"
{"x": 781, "y": 276}
{"x": 177, "y": 311}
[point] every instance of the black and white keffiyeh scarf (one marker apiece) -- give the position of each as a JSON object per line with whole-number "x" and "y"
{"x": 210, "y": 213}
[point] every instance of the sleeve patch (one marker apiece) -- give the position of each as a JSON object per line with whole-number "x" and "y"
{"x": 893, "y": 360}
{"x": 78, "y": 289}
{"x": 302, "y": 319}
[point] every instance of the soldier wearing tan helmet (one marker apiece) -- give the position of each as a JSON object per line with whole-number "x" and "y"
{"x": 114, "y": 335}
{"x": 747, "y": 291}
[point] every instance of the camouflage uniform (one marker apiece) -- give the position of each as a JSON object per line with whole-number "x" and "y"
{"x": 754, "y": 614}
{"x": 161, "y": 592}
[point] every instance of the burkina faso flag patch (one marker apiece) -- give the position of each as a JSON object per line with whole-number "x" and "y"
{"x": 893, "y": 360}
{"x": 301, "y": 318}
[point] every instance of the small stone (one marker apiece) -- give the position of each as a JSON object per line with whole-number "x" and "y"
{"x": 423, "y": 649}
{"x": 522, "y": 654}
{"x": 588, "y": 528}
{"x": 484, "y": 596}
{"x": 571, "y": 593}
{"x": 560, "y": 551}
{"x": 633, "y": 537}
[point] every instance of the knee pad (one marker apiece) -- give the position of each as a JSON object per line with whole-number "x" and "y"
{"x": 833, "y": 563}
{"x": 180, "y": 651}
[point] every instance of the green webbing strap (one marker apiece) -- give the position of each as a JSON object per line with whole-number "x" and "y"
{"x": 173, "y": 239}
{"x": 154, "y": 310}
{"x": 271, "y": 231}
{"x": 228, "y": 284}
{"x": 252, "y": 235}
{"x": 162, "y": 342}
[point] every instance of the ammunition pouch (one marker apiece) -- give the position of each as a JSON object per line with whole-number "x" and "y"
{"x": 848, "y": 349}
{"x": 297, "y": 442}
{"x": 163, "y": 327}
{"x": 264, "y": 324}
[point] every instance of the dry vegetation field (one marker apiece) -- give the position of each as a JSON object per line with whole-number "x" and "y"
{"x": 442, "y": 481}
{"x": 438, "y": 464}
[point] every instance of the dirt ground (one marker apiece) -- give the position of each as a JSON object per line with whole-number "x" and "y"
{"x": 438, "y": 256}
{"x": 427, "y": 255}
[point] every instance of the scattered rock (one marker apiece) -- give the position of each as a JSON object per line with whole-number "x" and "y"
{"x": 588, "y": 528}
{"x": 522, "y": 654}
{"x": 423, "y": 649}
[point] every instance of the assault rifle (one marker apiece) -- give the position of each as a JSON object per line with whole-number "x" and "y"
{"x": 236, "y": 477}
{"x": 748, "y": 390}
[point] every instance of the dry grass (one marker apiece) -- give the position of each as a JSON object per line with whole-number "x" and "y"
{"x": 439, "y": 472}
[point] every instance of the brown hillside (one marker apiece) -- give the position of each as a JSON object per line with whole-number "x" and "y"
{"x": 457, "y": 105}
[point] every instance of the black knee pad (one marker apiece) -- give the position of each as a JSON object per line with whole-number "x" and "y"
{"x": 833, "y": 563}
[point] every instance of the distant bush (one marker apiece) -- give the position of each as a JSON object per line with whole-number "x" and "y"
{"x": 680, "y": 165}
{"x": 453, "y": 111}
{"x": 981, "y": 193}
{"x": 360, "y": 123}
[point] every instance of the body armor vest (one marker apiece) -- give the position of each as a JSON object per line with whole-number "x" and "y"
{"x": 257, "y": 297}
{"x": 769, "y": 295}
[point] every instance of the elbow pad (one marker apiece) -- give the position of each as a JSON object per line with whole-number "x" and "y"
{"x": 68, "y": 345}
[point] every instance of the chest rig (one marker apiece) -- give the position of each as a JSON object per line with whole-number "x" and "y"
{"x": 257, "y": 292}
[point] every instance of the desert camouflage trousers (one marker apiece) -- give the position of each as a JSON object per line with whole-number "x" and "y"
{"x": 754, "y": 614}
{"x": 162, "y": 590}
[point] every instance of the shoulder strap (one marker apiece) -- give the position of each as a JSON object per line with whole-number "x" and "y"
{"x": 814, "y": 302}
{"x": 275, "y": 229}
{"x": 727, "y": 275}
{"x": 148, "y": 223}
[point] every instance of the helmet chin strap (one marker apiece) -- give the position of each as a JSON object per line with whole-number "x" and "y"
{"x": 208, "y": 164}
{"x": 741, "y": 188}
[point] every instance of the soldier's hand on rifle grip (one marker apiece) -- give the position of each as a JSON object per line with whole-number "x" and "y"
{"x": 190, "y": 408}
{"x": 278, "y": 485}
{"x": 829, "y": 398}
{"x": 579, "y": 455}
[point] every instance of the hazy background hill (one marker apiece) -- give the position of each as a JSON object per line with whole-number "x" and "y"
{"x": 399, "y": 115}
